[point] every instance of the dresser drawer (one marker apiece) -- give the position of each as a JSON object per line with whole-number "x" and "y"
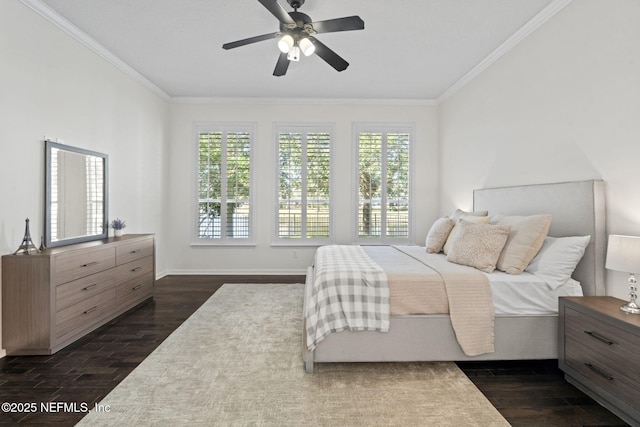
{"x": 135, "y": 290}
{"x": 128, "y": 252}
{"x": 74, "y": 265}
{"x": 85, "y": 314}
{"x": 71, "y": 293}
{"x": 133, "y": 270}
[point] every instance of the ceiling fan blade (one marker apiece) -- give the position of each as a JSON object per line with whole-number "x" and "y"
{"x": 249, "y": 40}
{"x": 281, "y": 65}
{"x": 329, "y": 56}
{"x": 340, "y": 24}
{"x": 278, "y": 11}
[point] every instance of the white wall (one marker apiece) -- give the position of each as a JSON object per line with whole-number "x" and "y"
{"x": 563, "y": 105}
{"x": 52, "y": 85}
{"x": 263, "y": 258}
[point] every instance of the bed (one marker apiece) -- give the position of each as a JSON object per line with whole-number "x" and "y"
{"x": 577, "y": 209}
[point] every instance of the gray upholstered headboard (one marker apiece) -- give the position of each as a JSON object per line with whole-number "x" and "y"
{"x": 577, "y": 209}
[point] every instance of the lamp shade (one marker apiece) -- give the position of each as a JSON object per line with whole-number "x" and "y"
{"x": 623, "y": 254}
{"x": 307, "y": 46}
{"x": 285, "y": 43}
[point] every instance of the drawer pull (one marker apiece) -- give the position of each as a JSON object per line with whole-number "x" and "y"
{"x": 135, "y": 251}
{"x": 136, "y": 269}
{"x": 89, "y": 264}
{"x": 86, "y": 288}
{"x": 598, "y": 371}
{"x": 599, "y": 337}
{"x": 94, "y": 308}
{"x": 135, "y": 288}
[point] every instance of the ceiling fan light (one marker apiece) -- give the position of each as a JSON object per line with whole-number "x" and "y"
{"x": 307, "y": 46}
{"x": 285, "y": 43}
{"x": 294, "y": 53}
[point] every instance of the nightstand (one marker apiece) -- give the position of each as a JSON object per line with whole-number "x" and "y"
{"x": 599, "y": 352}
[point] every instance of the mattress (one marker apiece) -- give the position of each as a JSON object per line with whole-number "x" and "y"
{"x": 526, "y": 293}
{"x": 417, "y": 289}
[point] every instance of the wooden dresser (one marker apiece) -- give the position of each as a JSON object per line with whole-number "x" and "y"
{"x": 599, "y": 351}
{"x": 55, "y": 297}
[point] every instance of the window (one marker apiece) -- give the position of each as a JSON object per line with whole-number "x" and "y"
{"x": 383, "y": 167}
{"x": 224, "y": 183}
{"x": 304, "y": 201}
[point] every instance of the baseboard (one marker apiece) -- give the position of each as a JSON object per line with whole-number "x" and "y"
{"x": 3, "y": 353}
{"x": 234, "y": 272}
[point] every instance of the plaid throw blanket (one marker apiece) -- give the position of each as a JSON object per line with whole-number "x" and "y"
{"x": 349, "y": 292}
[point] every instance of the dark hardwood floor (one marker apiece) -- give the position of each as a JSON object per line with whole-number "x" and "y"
{"x": 527, "y": 393}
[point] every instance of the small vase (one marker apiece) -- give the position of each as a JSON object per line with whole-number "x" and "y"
{"x": 117, "y": 233}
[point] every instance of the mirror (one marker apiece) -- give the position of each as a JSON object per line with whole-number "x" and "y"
{"x": 76, "y": 190}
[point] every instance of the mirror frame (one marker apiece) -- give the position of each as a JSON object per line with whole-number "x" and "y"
{"x": 49, "y": 145}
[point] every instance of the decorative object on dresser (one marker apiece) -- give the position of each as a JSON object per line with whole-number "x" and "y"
{"x": 623, "y": 254}
{"x": 26, "y": 246}
{"x": 598, "y": 352}
{"x": 118, "y": 226}
{"x": 52, "y": 298}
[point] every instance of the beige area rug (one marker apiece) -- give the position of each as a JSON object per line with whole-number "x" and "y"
{"x": 238, "y": 361}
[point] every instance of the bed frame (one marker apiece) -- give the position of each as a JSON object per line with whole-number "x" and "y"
{"x": 577, "y": 209}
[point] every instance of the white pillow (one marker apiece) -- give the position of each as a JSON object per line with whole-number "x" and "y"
{"x": 558, "y": 258}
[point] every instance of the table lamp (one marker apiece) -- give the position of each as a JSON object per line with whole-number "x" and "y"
{"x": 623, "y": 254}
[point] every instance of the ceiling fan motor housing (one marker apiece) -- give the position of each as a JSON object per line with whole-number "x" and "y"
{"x": 301, "y": 27}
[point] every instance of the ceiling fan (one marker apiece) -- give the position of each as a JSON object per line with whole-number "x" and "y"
{"x": 296, "y": 35}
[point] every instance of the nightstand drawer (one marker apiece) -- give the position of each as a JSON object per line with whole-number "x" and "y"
{"x": 605, "y": 355}
{"x": 606, "y": 369}
{"x": 601, "y": 336}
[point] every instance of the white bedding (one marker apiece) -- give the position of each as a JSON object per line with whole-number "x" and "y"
{"x": 527, "y": 294}
{"x": 415, "y": 291}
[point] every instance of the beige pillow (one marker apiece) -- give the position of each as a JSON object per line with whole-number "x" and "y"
{"x": 525, "y": 240}
{"x": 478, "y": 245}
{"x": 466, "y": 217}
{"x": 438, "y": 234}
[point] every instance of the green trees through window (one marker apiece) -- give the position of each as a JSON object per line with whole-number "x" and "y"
{"x": 383, "y": 180}
{"x": 304, "y": 169}
{"x": 224, "y": 184}
{"x": 304, "y": 207}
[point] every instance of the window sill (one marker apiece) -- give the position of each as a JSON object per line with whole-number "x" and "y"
{"x": 302, "y": 244}
{"x": 227, "y": 243}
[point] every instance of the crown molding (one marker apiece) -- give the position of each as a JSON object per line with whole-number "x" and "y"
{"x": 300, "y": 101}
{"x": 56, "y": 19}
{"x": 533, "y": 24}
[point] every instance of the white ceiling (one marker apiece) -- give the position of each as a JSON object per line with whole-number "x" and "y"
{"x": 411, "y": 49}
